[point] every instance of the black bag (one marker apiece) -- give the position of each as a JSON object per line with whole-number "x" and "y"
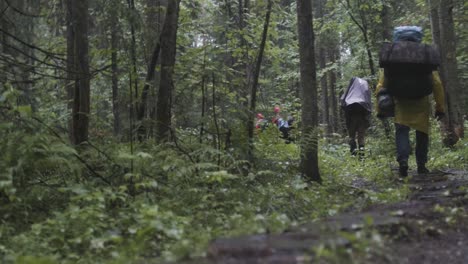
{"x": 385, "y": 103}
{"x": 408, "y": 68}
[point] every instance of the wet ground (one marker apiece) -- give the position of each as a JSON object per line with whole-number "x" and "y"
{"x": 430, "y": 227}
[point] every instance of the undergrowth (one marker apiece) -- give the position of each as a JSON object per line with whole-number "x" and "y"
{"x": 167, "y": 202}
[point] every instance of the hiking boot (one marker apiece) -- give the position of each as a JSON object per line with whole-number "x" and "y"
{"x": 403, "y": 169}
{"x": 352, "y": 148}
{"x": 361, "y": 152}
{"x": 422, "y": 169}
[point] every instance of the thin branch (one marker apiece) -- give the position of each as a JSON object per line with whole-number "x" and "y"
{"x": 52, "y": 54}
{"x": 76, "y": 155}
{"x": 21, "y": 12}
{"x": 103, "y": 153}
{"x": 179, "y": 147}
{"x": 33, "y": 57}
{"x": 349, "y": 8}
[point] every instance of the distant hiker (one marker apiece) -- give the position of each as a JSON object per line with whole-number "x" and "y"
{"x": 283, "y": 125}
{"x": 261, "y": 122}
{"x": 409, "y": 75}
{"x": 357, "y": 106}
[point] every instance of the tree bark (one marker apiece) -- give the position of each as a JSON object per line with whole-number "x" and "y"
{"x": 78, "y": 54}
{"x": 324, "y": 86}
{"x": 115, "y": 74}
{"x": 255, "y": 76}
{"x": 168, "y": 53}
{"x": 217, "y": 139}
{"x": 322, "y": 57}
{"x": 149, "y": 81}
{"x": 434, "y": 15}
{"x": 243, "y": 65}
{"x": 70, "y": 67}
{"x": 386, "y": 22}
{"x": 334, "y": 116}
{"x": 386, "y": 36}
{"x": 155, "y": 17}
{"x": 453, "y": 122}
{"x": 309, "y": 144}
{"x": 3, "y": 40}
{"x": 142, "y": 108}
{"x": 203, "y": 103}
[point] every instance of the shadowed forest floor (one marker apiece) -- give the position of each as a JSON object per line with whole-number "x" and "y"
{"x": 429, "y": 227}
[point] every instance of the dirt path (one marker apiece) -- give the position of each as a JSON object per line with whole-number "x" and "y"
{"x": 430, "y": 227}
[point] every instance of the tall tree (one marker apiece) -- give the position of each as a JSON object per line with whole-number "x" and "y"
{"x": 166, "y": 85}
{"x": 444, "y": 34}
{"x": 309, "y": 143}
{"x": 255, "y": 76}
{"x": 70, "y": 67}
{"x": 322, "y": 58}
{"x": 146, "y": 106}
{"x": 454, "y": 91}
{"x": 150, "y": 74}
{"x": 115, "y": 71}
{"x": 77, "y": 52}
{"x": 333, "y": 52}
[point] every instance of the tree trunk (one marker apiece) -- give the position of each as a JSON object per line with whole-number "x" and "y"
{"x": 69, "y": 82}
{"x": 149, "y": 81}
{"x": 324, "y": 86}
{"x": 27, "y": 33}
{"x": 3, "y": 41}
{"x": 434, "y": 15}
{"x": 386, "y": 36}
{"x": 77, "y": 50}
{"x": 369, "y": 53}
{"x": 217, "y": 139}
{"x": 255, "y": 76}
{"x": 453, "y": 122}
{"x": 155, "y": 22}
{"x": 115, "y": 74}
{"x": 386, "y": 22}
{"x": 168, "y": 53}
{"x": 322, "y": 57}
{"x": 203, "y": 107}
{"x": 333, "y": 78}
{"x": 155, "y": 18}
{"x": 143, "y": 105}
{"x": 243, "y": 65}
{"x": 309, "y": 144}
{"x": 203, "y": 90}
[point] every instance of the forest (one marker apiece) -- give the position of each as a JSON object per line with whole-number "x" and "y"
{"x": 129, "y": 129}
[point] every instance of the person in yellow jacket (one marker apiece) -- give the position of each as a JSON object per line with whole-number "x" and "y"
{"x": 414, "y": 113}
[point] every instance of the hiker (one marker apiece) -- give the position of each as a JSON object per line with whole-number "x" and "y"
{"x": 409, "y": 75}
{"x": 357, "y": 106}
{"x": 283, "y": 125}
{"x": 261, "y": 122}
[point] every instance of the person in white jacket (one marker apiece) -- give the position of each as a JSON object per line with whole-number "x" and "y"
{"x": 357, "y": 106}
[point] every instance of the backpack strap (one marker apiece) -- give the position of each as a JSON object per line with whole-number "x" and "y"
{"x": 390, "y": 52}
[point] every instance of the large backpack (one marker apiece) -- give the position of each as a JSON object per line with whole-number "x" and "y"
{"x": 357, "y": 97}
{"x": 408, "y": 68}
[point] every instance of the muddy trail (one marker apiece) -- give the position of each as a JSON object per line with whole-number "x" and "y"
{"x": 431, "y": 226}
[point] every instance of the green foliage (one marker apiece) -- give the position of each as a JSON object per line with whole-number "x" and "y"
{"x": 167, "y": 202}
{"x": 104, "y": 203}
